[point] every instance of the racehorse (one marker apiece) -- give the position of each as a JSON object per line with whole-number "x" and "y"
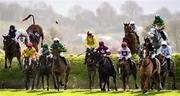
{"x": 11, "y": 50}
{"x": 29, "y": 70}
{"x": 165, "y": 72}
{"x": 44, "y": 69}
{"x": 131, "y": 39}
{"x": 91, "y": 67}
{"x": 105, "y": 69}
{"x": 126, "y": 69}
{"x": 35, "y": 32}
{"x": 146, "y": 72}
{"x": 59, "y": 69}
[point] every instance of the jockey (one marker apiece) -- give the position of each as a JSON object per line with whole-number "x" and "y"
{"x": 159, "y": 25}
{"x": 30, "y": 51}
{"x": 90, "y": 43}
{"x": 20, "y": 34}
{"x": 166, "y": 51}
{"x": 124, "y": 52}
{"x": 134, "y": 29}
{"x": 60, "y": 47}
{"x": 12, "y": 31}
{"x": 104, "y": 50}
{"x": 44, "y": 51}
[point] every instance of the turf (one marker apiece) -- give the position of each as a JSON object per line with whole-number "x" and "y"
{"x": 86, "y": 92}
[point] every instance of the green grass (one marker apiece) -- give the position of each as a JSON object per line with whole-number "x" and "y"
{"x": 85, "y": 92}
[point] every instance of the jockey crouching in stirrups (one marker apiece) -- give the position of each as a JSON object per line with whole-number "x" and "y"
{"x": 61, "y": 48}
{"x": 104, "y": 50}
{"x": 90, "y": 43}
{"x": 30, "y": 53}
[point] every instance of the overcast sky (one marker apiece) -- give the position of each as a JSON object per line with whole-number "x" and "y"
{"x": 62, "y": 6}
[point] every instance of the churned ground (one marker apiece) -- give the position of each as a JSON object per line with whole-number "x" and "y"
{"x": 85, "y": 92}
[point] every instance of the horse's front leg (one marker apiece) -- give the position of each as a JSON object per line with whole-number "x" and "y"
{"x": 58, "y": 82}
{"x": 47, "y": 78}
{"x": 42, "y": 77}
{"x": 33, "y": 82}
{"x": 107, "y": 83}
{"x": 114, "y": 80}
{"x": 19, "y": 60}
{"x": 93, "y": 76}
{"x": 10, "y": 62}
{"x": 5, "y": 62}
{"x": 135, "y": 78}
{"x": 54, "y": 81}
{"x": 174, "y": 81}
{"x": 38, "y": 79}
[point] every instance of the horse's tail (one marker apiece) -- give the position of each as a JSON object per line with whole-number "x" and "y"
{"x": 30, "y": 15}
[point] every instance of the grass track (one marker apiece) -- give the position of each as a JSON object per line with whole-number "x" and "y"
{"x": 85, "y": 92}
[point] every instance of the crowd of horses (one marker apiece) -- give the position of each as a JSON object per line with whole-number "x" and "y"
{"x": 53, "y": 65}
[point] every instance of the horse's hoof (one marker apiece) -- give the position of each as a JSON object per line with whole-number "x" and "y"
{"x": 144, "y": 91}
{"x": 136, "y": 87}
{"x": 5, "y": 67}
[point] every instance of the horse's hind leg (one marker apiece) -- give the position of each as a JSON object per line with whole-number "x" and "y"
{"x": 107, "y": 83}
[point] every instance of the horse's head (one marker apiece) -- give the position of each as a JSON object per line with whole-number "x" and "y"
{"x": 55, "y": 53}
{"x": 96, "y": 56}
{"x": 127, "y": 28}
{"x": 7, "y": 41}
{"x": 161, "y": 58}
{"x": 145, "y": 52}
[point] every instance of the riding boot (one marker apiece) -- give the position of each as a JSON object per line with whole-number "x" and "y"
{"x": 85, "y": 61}
{"x": 154, "y": 63}
{"x": 18, "y": 47}
{"x": 168, "y": 62}
{"x": 130, "y": 61}
{"x": 64, "y": 59}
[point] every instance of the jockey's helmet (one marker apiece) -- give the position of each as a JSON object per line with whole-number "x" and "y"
{"x": 56, "y": 39}
{"x": 157, "y": 17}
{"x": 11, "y": 27}
{"x": 164, "y": 43}
{"x": 29, "y": 44}
{"x": 89, "y": 33}
{"x": 45, "y": 46}
{"x": 101, "y": 43}
{"x": 132, "y": 22}
{"x": 124, "y": 44}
